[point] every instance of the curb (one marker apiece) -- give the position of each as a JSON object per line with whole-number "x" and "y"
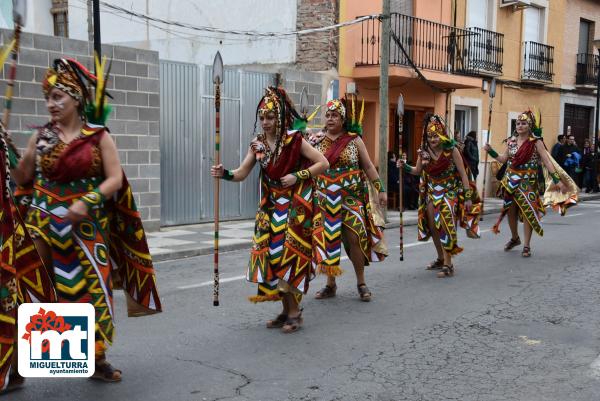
{"x": 192, "y": 252}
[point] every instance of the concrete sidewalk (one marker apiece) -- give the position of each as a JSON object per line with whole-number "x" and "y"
{"x": 194, "y": 240}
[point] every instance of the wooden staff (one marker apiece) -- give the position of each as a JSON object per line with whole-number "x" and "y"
{"x": 400, "y": 112}
{"x": 19, "y": 13}
{"x": 485, "y": 163}
{"x": 217, "y": 80}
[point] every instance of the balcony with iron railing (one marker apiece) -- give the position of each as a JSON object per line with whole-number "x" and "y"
{"x": 433, "y": 46}
{"x": 587, "y": 70}
{"x": 538, "y": 62}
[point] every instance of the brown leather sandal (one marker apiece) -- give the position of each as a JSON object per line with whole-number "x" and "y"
{"x": 292, "y": 324}
{"x": 526, "y": 253}
{"x": 447, "y": 271}
{"x": 278, "y": 322}
{"x": 363, "y": 292}
{"x": 106, "y": 372}
{"x": 512, "y": 243}
{"x": 435, "y": 265}
{"x": 326, "y": 292}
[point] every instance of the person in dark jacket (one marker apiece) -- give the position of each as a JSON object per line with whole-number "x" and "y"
{"x": 570, "y": 154}
{"x": 471, "y": 153}
{"x": 556, "y": 148}
{"x": 590, "y": 172}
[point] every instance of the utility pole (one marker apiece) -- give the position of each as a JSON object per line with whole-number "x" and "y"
{"x": 97, "y": 40}
{"x": 383, "y": 94}
{"x": 90, "y": 20}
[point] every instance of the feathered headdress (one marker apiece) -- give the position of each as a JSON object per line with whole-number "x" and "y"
{"x": 354, "y": 123}
{"x": 534, "y": 119}
{"x": 73, "y": 78}
{"x": 435, "y": 125}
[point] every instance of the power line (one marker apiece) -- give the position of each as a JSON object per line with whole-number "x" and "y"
{"x": 209, "y": 39}
{"x": 236, "y": 32}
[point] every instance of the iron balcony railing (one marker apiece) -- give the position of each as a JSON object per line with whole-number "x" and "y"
{"x": 538, "y": 62}
{"x": 587, "y": 69}
{"x": 486, "y": 50}
{"x": 434, "y": 46}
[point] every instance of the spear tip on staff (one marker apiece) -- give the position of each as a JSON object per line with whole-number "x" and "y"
{"x": 304, "y": 102}
{"x": 217, "y": 80}
{"x": 218, "y": 69}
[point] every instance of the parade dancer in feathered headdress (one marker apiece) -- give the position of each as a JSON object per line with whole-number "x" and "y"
{"x": 82, "y": 217}
{"x": 281, "y": 259}
{"x": 343, "y": 192}
{"x": 519, "y": 186}
{"x": 447, "y": 199}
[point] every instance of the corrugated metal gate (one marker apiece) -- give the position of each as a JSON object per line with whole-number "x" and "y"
{"x": 187, "y": 141}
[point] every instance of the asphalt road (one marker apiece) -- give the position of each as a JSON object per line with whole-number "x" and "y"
{"x": 504, "y": 328}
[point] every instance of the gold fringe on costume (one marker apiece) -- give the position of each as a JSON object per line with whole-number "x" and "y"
{"x": 378, "y": 219}
{"x": 560, "y": 201}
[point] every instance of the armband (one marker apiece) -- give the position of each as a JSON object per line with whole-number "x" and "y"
{"x": 227, "y": 175}
{"x": 493, "y": 153}
{"x": 302, "y": 174}
{"x": 407, "y": 168}
{"x": 555, "y": 177}
{"x": 378, "y": 184}
{"x": 93, "y": 199}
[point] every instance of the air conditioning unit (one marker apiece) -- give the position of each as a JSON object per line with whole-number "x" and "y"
{"x": 516, "y": 4}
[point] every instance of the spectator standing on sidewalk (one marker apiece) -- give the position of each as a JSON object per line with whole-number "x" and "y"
{"x": 471, "y": 153}
{"x": 590, "y": 171}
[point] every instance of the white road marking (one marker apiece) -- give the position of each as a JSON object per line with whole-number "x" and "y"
{"x": 207, "y": 283}
{"x": 529, "y": 341}
{"x": 573, "y": 215}
{"x": 223, "y": 280}
{"x": 595, "y": 366}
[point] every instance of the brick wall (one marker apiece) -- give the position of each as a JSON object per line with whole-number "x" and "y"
{"x": 134, "y": 122}
{"x": 317, "y": 51}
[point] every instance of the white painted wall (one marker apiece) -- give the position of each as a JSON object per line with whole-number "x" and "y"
{"x": 39, "y": 20}
{"x": 192, "y": 46}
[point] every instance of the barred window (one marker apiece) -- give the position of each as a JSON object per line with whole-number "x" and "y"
{"x": 60, "y": 18}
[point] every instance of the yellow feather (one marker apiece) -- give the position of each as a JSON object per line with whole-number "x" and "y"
{"x": 314, "y": 113}
{"x": 99, "y": 81}
{"x": 537, "y": 118}
{"x": 362, "y": 112}
{"x": 5, "y": 53}
{"x": 353, "y": 111}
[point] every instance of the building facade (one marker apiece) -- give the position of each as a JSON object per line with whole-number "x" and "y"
{"x": 163, "y": 87}
{"x": 444, "y": 54}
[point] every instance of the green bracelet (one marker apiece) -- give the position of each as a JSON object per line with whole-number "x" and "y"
{"x": 407, "y": 168}
{"x": 555, "y": 177}
{"x": 93, "y": 199}
{"x": 227, "y": 175}
{"x": 302, "y": 174}
{"x": 378, "y": 184}
{"x": 493, "y": 153}
{"x": 469, "y": 194}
